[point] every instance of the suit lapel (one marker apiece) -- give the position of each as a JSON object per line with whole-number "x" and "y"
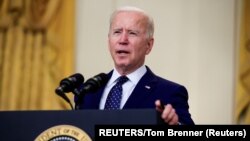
{"x": 142, "y": 91}
{"x": 96, "y": 97}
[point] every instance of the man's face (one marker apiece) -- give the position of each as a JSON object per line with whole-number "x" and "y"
{"x": 128, "y": 41}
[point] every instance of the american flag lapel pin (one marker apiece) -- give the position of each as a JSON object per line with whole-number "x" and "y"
{"x": 147, "y": 87}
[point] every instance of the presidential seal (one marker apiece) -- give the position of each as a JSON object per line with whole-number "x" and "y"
{"x": 63, "y": 133}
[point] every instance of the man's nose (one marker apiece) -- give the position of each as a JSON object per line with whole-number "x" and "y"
{"x": 124, "y": 38}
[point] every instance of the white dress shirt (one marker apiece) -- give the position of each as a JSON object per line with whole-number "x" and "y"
{"x": 127, "y": 87}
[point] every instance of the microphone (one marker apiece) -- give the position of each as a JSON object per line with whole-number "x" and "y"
{"x": 69, "y": 84}
{"x": 92, "y": 84}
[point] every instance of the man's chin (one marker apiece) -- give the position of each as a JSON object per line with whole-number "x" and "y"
{"x": 122, "y": 65}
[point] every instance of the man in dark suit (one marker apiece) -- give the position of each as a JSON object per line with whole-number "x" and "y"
{"x": 130, "y": 39}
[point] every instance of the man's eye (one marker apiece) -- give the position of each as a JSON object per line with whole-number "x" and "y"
{"x": 133, "y": 33}
{"x": 116, "y": 32}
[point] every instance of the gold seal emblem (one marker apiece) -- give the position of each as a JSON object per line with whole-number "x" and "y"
{"x": 63, "y": 133}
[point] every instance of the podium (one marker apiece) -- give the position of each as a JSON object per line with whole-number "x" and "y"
{"x": 29, "y": 125}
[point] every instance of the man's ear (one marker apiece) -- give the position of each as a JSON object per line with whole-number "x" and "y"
{"x": 150, "y": 45}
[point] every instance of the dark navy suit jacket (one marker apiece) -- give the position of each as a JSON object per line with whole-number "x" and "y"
{"x": 150, "y": 88}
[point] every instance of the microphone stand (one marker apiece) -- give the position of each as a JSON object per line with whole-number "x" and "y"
{"x": 78, "y": 98}
{"x": 63, "y": 95}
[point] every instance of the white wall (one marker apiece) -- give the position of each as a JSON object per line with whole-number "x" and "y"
{"x": 194, "y": 46}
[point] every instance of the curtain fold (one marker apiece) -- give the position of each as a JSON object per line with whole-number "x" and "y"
{"x": 242, "y": 110}
{"x": 36, "y": 52}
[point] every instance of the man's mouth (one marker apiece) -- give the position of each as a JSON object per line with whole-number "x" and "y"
{"x": 122, "y": 52}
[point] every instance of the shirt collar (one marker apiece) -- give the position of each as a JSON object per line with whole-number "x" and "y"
{"x": 134, "y": 77}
